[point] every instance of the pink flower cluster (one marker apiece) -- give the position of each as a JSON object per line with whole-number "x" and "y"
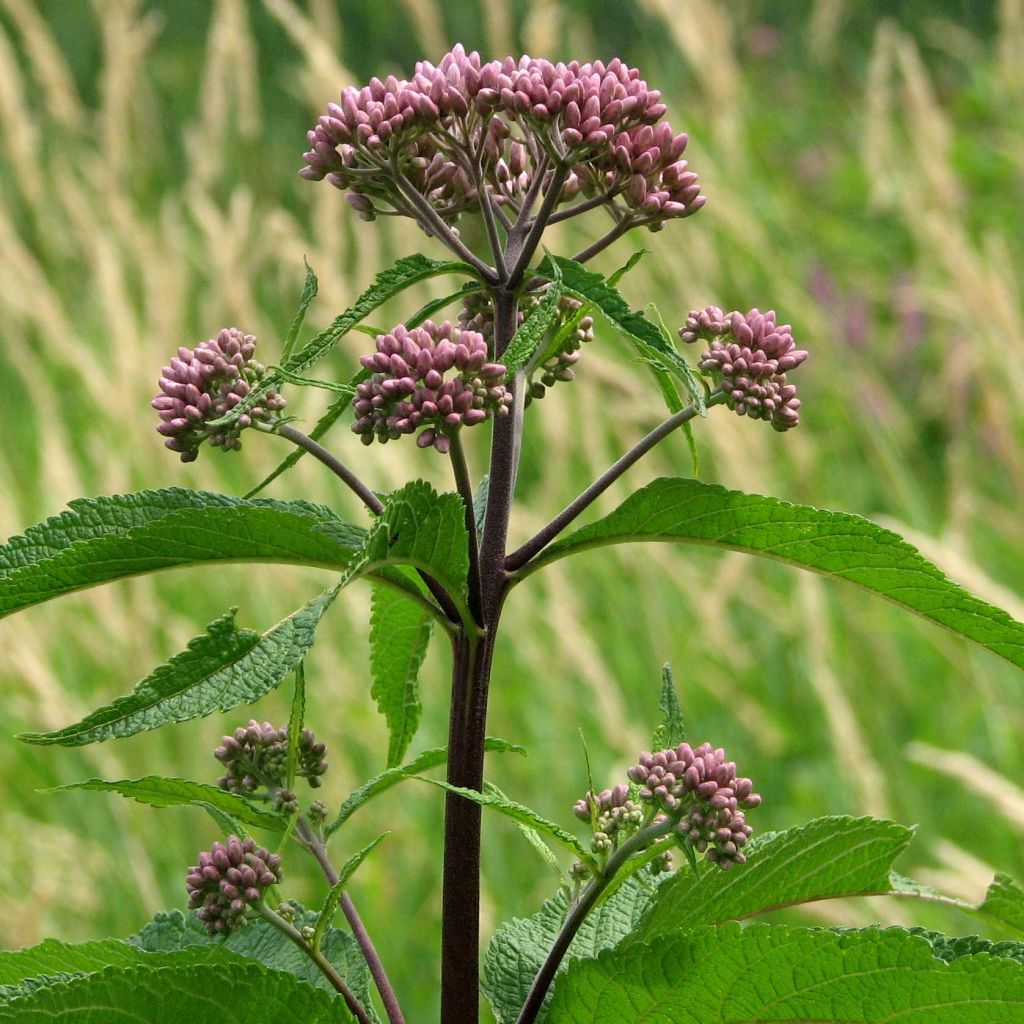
{"x": 518, "y": 118}
{"x": 409, "y": 389}
{"x": 701, "y": 790}
{"x": 206, "y": 383}
{"x": 749, "y": 354}
{"x": 229, "y": 878}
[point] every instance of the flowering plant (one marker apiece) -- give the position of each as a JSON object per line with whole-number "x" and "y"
{"x": 644, "y": 921}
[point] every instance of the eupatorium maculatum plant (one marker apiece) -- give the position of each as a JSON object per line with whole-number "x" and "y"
{"x": 644, "y": 925}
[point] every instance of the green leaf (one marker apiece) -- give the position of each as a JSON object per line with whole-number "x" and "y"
{"x": 399, "y": 635}
{"x": 261, "y": 941}
{"x": 835, "y": 544}
{"x": 828, "y": 858}
{"x": 536, "y": 840}
{"x": 309, "y": 290}
{"x": 1004, "y": 901}
{"x": 161, "y": 792}
{"x": 672, "y": 730}
{"x": 101, "y": 539}
{"x": 421, "y": 528}
{"x": 216, "y": 672}
{"x": 520, "y": 946}
{"x": 480, "y": 503}
{"x": 345, "y": 390}
{"x": 432, "y": 758}
{"x": 426, "y": 311}
{"x": 494, "y": 798}
{"x": 334, "y": 896}
{"x": 53, "y": 957}
{"x": 534, "y": 329}
{"x": 952, "y": 947}
{"x": 386, "y": 285}
{"x": 296, "y": 720}
{"x": 614, "y": 279}
{"x": 172, "y": 989}
{"x": 649, "y": 339}
{"x": 729, "y": 975}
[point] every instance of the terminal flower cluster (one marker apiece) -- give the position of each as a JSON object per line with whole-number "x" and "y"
{"x": 503, "y": 126}
{"x": 205, "y": 383}
{"x": 749, "y": 355}
{"x": 256, "y": 757}
{"x": 700, "y": 791}
{"x": 229, "y": 878}
{"x": 435, "y": 379}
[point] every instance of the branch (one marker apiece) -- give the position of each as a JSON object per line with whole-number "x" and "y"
{"x": 551, "y": 197}
{"x": 602, "y": 243}
{"x": 590, "y": 204}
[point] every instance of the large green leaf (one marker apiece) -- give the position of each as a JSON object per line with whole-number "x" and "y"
{"x": 835, "y": 544}
{"x": 218, "y": 671}
{"x": 172, "y": 988}
{"x": 54, "y": 957}
{"x": 728, "y": 975}
{"x": 399, "y": 634}
{"x": 520, "y": 946}
{"x": 101, "y": 539}
{"x": 827, "y": 858}
{"x": 386, "y": 285}
{"x": 1004, "y": 901}
{"x": 432, "y": 758}
{"x": 158, "y": 791}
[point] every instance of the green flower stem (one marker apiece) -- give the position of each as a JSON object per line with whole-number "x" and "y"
{"x": 465, "y": 487}
{"x": 326, "y": 967}
{"x": 316, "y": 847}
{"x": 546, "y": 975}
{"x": 520, "y": 558}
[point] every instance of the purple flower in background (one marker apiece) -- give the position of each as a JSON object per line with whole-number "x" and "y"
{"x": 435, "y": 379}
{"x": 205, "y": 383}
{"x": 229, "y": 878}
{"x": 749, "y": 355}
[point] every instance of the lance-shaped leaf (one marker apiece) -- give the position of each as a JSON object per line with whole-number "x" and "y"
{"x": 309, "y": 290}
{"x": 162, "y": 792}
{"x": 334, "y": 896}
{"x": 386, "y": 285}
{"x": 218, "y": 671}
{"x": 170, "y": 989}
{"x": 827, "y": 858}
{"x": 728, "y": 975}
{"x": 528, "y": 338}
{"x": 432, "y": 758}
{"x": 421, "y": 528}
{"x": 835, "y": 544}
{"x": 672, "y": 730}
{"x": 102, "y": 539}
{"x": 399, "y": 635}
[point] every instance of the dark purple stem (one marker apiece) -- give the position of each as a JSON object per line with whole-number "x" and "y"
{"x": 605, "y": 240}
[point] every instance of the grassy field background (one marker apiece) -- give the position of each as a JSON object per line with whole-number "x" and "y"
{"x": 864, "y": 173}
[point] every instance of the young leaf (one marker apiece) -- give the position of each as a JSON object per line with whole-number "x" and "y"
{"x": 828, "y": 858}
{"x": 528, "y": 338}
{"x": 426, "y": 311}
{"x": 344, "y": 390}
{"x": 672, "y": 731}
{"x": 216, "y": 672}
{"x": 334, "y": 896}
{"x": 160, "y": 792}
{"x": 520, "y": 946}
{"x": 101, "y": 539}
{"x": 399, "y": 635}
{"x": 432, "y": 758}
{"x": 296, "y": 720}
{"x": 536, "y": 840}
{"x": 1004, "y": 901}
{"x": 388, "y": 283}
{"x": 309, "y": 290}
{"x": 615, "y": 278}
{"x": 480, "y": 503}
{"x": 777, "y": 973}
{"x": 835, "y": 544}
{"x": 171, "y": 989}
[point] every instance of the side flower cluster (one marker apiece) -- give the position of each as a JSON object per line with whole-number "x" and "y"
{"x": 749, "y": 355}
{"x": 613, "y": 814}
{"x": 205, "y": 383}
{"x": 256, "y": 757}
{"x": 435, "y": 379}
{"x": 229, "y": 878}
{"x": 398, "y": 140}
{"x": 700, "y": 791}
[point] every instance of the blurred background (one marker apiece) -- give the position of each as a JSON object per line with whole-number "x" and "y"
{"x": 864, "y": 165}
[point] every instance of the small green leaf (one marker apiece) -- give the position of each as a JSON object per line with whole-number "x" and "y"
{"x": 388, "y": 283}
{"x": 216, "y": 672}
{"x": 729, "y": 975}
{"x": 345, "y": 390}
{"x": 536, "y": 840}
{"x": 614, "y": 279}
{"x": 427, "y": 311}
{"x": 672, "y": 730}
{"x": 102, "y": 539}
{"x": 296, "y": 720}
{"x": 828, "y": 858}
{"x": 1004, "y": 901}
{"x": 309, "y": 290}
{"x": 399, "y": 635}
{"x": 334, "y": 896}
{"x": 432, "y": 758}
{"x": 534, "y": 329}
{"x": 161, "y": 792}
{"x": 480, "y": 503}
{"x": 835, "y": 544}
